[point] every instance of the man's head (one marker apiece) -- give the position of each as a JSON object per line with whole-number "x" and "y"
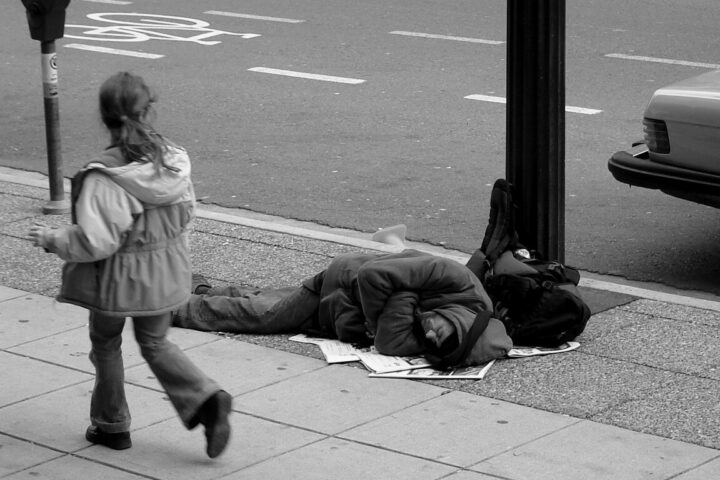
{"x": 437, "y": 328}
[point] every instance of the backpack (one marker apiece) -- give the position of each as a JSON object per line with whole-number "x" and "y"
{"x": 537, "y": 300}
{"x": 544, "y": 308}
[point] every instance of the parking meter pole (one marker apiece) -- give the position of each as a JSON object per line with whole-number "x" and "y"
{"x": 57, "y": 204}
{"x": 535, "y": 141}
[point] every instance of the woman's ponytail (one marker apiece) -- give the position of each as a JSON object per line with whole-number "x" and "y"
{"x": 126, "y": 110}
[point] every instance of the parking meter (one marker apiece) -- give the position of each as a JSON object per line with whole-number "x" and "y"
{"x": 46, "y": 18}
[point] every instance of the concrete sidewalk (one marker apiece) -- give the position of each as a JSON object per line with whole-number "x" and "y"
{"x": 638, "y": 400}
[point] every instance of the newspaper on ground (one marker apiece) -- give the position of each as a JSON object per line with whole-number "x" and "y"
{"x": 413, "y": 368}
{"x": 378, "y": 363}
{"x": 336, "y": 351}
{"x": 466, "y": 373}
{"x": 519, "y": 352}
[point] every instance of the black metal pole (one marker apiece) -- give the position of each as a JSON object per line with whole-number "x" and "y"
{"x": 58, "y": 204}
{"x": 535, "y": 157}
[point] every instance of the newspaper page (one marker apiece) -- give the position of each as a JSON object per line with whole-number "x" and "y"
{"x": 467, "y": 373}
{"x": 519, "y": 352}
{"x": 334, "y": 351}
{"x": 379, "y": 363}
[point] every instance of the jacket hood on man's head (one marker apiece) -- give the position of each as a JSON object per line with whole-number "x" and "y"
{"x": 143, "y": 181}
{"x": 460, "y": 316}
{"x": 493, "y": 343}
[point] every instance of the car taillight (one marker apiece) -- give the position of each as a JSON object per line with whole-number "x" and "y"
{"x": 656, "y": 135}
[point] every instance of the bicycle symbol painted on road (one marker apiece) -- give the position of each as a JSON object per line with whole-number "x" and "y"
{"x": 141, "y": 27}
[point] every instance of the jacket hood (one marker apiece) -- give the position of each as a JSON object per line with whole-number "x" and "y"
{"x": 493, "y": 343}
{"x": 144, "y": 182}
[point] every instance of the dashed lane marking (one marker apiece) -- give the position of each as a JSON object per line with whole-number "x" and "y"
{"x": 447, "y": 37}
{"x": 253, "y": 17}
{"x": 640, "y": 58}
{"x": 568, "y": 108}
{"x": 310, "y": 76}
{"x": 110, "y": 2}
{"x": 113, "y": 51}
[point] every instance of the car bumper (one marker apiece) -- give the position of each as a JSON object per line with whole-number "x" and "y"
{"x": 634, "y": 167}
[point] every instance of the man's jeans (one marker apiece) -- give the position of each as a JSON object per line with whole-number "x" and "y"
{"x": 187, "y": 387}
{"x": 248, "y": 310}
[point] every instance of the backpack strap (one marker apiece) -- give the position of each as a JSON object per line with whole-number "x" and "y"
{"x": 482, "y": 319}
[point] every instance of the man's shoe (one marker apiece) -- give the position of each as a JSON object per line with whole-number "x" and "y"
{"x": 116, "y": 441}
{"x": 214, "y": 416}
{"x": 199, "y": 284}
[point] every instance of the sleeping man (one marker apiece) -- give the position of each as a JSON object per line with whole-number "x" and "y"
{"x": 407, "y": 303}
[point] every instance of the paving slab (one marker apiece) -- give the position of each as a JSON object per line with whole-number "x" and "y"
{"x": 593, "y": 451}
{"x": 707, "y": 471}
{"x": 469, "y": 475}
{"x": 31, "y": 317}
{"x": 684, "y": 408}
{"x": 7, "y": 293}
{"x": 297, "y": 243}
{"x": 601, "y": 300}
{"x": 247, "y": 262}
{"x": 24, "y": 378}
{"x": 341, "y": 459}
{"x": 74, "y": 468}
{"x": 458, "y": 429}
{"x": 238, "y": 367}
{"x": 58, "y": 419}
{"x": 333, "y": 399}
{"x": 17, "y": 455}
{"x": 611, "y": 321}
{"x": 674, "y": 311}
{"x": 14, "y": 207}
{"x": 666, "y": 344}
{"x": 71, "y": 348}
{"x": 166, "y": 451}
{"x": 573, "y": 383}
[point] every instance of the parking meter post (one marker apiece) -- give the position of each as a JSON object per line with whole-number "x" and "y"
{"x": 57, "y": 204}
{"x": 46, "y": 20}
{"x": 535, "y": 140}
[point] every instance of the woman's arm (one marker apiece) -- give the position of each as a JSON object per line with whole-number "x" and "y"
{"x": 104, "y": 213}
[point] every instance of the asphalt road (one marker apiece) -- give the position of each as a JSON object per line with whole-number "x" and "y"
{"x": 387, "y": 136}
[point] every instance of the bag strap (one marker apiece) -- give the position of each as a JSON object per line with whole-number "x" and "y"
{"x": 482, "y": 319}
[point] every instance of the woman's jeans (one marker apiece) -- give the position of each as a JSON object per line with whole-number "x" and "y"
{"x": 247, "y": 310}
{"x": 186, "y": 386}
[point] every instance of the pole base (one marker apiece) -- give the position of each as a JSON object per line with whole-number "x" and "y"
{"x": 56, "y": 207}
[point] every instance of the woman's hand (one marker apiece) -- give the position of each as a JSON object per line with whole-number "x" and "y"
{"x": 37, "y": 234}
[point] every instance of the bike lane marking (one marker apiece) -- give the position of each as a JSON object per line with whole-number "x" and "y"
{"x": 447, "y": 37}
{"x": 568, "y": 108}
{"x": 114, "y": 51}
{"x": 142, "y": 27}
{"x": 309, "y": 76}
{"x": 253, "y": 17}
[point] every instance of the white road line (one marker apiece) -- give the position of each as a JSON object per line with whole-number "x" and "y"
{"x": 253, "y": 17}
{"x": 447, "y": 37}
{"x": 113, "y": 51}
{"x": 713, "y": 66}
{"x": 310, "y": 76}
{"x": 110, "y": 2}
{"x": 568, "y": 108}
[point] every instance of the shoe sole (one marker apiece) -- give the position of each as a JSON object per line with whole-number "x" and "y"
{"x": 98, "y": 439}
{"x": 219, "y": 435}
